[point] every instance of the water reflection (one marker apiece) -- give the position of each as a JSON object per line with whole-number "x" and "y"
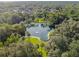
{"x": 39, "y": 30}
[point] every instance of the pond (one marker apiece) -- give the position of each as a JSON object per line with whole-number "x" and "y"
{"x": 39, "y": 30}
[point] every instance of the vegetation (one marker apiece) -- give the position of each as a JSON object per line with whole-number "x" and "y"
{"x": 62, "y": 18}
{"x": 39, "y": 20}
{"x": 63, "y": 38}
{"x": 38, "y": 43}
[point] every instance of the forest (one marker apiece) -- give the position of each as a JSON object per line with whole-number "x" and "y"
{"x": 39, "y": 29}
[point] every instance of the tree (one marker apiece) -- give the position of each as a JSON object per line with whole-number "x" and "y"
{"x": 65, "y": 38}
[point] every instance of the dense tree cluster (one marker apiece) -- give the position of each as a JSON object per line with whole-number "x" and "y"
{"x": 6, "y": 30}
{"x": 64, "y": 39}
{"x": 16, "y": 41}
{"x": 20, "y": 49}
